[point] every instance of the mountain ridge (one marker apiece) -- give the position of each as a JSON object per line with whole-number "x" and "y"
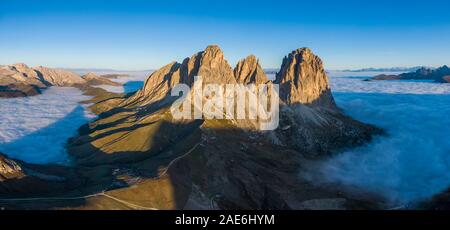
{"x": 20, "y": 80}
{"x": 440, "y": 75}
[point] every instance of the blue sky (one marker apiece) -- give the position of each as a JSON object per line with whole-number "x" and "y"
{"x": 138, "y": 35}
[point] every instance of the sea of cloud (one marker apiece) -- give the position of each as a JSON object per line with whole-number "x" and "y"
{"x": 412, "y": 162}
{"x": 35, "y": 129}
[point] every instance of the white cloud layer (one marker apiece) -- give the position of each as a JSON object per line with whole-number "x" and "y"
{"x": 413, "y": 161}
{"x": 35, "y": 129}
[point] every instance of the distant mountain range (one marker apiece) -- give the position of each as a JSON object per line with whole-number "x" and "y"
{"x": 271, "y": 70}
{"x": 20, "y": 80}
{"x": 389, "y": 69}
{"x": 99, "y": 70}
{"x": 441, "y": 75}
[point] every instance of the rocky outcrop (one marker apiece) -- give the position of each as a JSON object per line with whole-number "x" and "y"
{"x": 157, "y": 86}
{"x": 209, "y": 64}
{"x": 386, "y": 77}
{"x": 18, "y": 90}
{"x": 21, "y": 180}
{"x": 20, "y": 73}
{"x": 303, "y": 80}
{"x": 248, "y": 71}
{"x": 9, "y": 168}
{"x": 440, "y": 75}
{"x": 93, "y": 79}
{"x": 58, "y": 77}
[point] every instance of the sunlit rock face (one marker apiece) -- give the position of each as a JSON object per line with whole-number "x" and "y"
{"x": 58, "y": 77}
{"x": 249, "y": 71}
{"x": 209, "y": 64}
{"x": 157, "y": 86}
{"x": 94, "y": 79}
{"x": 19, "y": 73}
{"x": 303, "y": 80}
{"x": 39, "y": 76}
{"x": 9, "y": 168}
{"x": 19, "y": 80}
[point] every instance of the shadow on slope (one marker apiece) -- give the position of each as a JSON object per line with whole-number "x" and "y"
{"x": 47, "y": 145}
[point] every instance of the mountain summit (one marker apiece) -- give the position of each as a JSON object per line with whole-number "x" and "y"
{"x": 248, "y": 71}
{"x": 303, "y": 80}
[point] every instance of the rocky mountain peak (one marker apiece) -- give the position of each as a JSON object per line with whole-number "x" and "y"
{"x": 249, "y": 71}
{"x": 20, "y": 66}
{"x": 90, "y": 75}
{"x": 210, "y": 64}
{"x": 443, "y": 69}
{"x": 303, "y": 80}
{"x": 213, "y": 52}
{"x": 59, "y": 77}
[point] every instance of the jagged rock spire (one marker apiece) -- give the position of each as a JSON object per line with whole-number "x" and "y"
{"x": 211, "y": 65}
{"x": 302, "y": 77}
{"x": 303, "y": 80}
{"x": 249, "y": 71}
